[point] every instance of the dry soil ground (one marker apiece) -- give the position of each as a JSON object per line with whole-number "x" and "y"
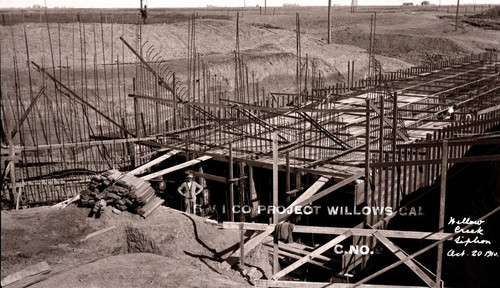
{"x": 168, "y": 249}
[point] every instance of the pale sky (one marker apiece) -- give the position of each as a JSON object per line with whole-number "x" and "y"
{"x": 203, "y": 3}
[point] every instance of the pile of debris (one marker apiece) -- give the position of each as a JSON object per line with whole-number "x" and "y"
{"x": 121, "y": 191}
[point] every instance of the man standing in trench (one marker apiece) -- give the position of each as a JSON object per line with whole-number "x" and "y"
{"x": 190, "y": 189}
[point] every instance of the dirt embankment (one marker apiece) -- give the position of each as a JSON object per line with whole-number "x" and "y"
{"x": 168, "y": 249}
{"x": 268, "y": 51}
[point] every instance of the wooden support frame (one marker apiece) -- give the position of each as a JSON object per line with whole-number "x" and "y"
{"x": 421, "y": 251}
{"x": 411, "y": 264}
{"x": 313, "y": 254}
{"x": 400, "y": 134}
{"x": 299, "y": 284}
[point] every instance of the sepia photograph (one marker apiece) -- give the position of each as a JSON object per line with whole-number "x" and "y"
{"x": 250, "y": 143}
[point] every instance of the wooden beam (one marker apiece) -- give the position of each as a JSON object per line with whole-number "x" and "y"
{"x": 27, "y": 112}
{"x": 311, "y": 255}
{"x": 340, "y": 230}
{"x": 231, "y": 184}
{"x": 401, "y": 134}
{"x": 102, "y": 231}
{"x": 469, "y": 159}
{"x": 400, "y": 254}
{"x": 142, "y": 169}
{"x": 276, "y": 266}
{"x": 297, "y": 257}
{"x": 211, "y": 177}
{"x": 275, "y": 110}
{"x": 331, "y": 189}
{"x": 176, "y": 167}
{"x": 300, "y": 284}
{"x": 307, "y": 194}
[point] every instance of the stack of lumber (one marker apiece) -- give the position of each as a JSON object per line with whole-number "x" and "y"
{"x": 125, "y": 192}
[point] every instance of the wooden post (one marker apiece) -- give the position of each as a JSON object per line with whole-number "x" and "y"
{"x": 157, "y": 106}
{"x": 394, "y": 124}
{"x": 275, "y": 198}
{"x": 174, "y": 125}
{"x": 288, "y": 174}
{"x": 367, "y": 171}
{"x": 329, "y": 20}
{"x": 253, "y": 193}
{"x": 442, "y": 200}
{"x": 241, "y": 188}
{"x": 381, "y": 146}
{"x": 231, "y": 186}
{"x": 136, "y": 110}
{"x": 456, "y": 16}
{"x": 242, "y": 245}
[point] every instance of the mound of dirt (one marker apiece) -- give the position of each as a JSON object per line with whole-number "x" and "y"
{"x": 213, "y": 37}
{"x": 415, "y": 49}
{"x": 167, "y": 248}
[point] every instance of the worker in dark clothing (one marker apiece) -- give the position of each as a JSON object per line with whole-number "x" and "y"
{"x": 190, "y": 189}
{"x": 144, "y": 14}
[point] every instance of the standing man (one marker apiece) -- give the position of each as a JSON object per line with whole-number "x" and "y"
{"x": 190, "y": 189}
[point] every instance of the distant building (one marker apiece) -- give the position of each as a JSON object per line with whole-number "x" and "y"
{"x": 408, "y": 4}
{"x": 425, "y": 3}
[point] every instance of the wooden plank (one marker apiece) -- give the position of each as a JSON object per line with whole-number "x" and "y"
{"x": 211, "y": 177}
{"x": 63, "y": 204}
{"x": 313, "y": 254}
{"x": 176, "y": 167}
{"x": 300, "y": 249}
{"x": 411, "y": 264}
{"x": 307, "y": 194}
{"x": 331, "y": 189}
{"x": 156, "y": 205}
{"x": 340, "y": 230}
{"x": 300, "y": 284}
{"x": 98, "y": 233}
{"x": 26, "y": 272}
{"x": 142, "y": 169}
{"x": 297, "y": 257}
{"x": 27, "y": 112}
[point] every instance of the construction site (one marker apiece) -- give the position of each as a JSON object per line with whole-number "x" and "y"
{"x": 344, "y": 146}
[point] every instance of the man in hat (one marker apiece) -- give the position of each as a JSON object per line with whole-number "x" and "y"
{"x": 190, "y": 189}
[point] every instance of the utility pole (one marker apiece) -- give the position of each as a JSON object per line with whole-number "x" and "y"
{"x": 456, "y": 16}
{"x": 329, "y": 20}
{"x": 144, "y": 13}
